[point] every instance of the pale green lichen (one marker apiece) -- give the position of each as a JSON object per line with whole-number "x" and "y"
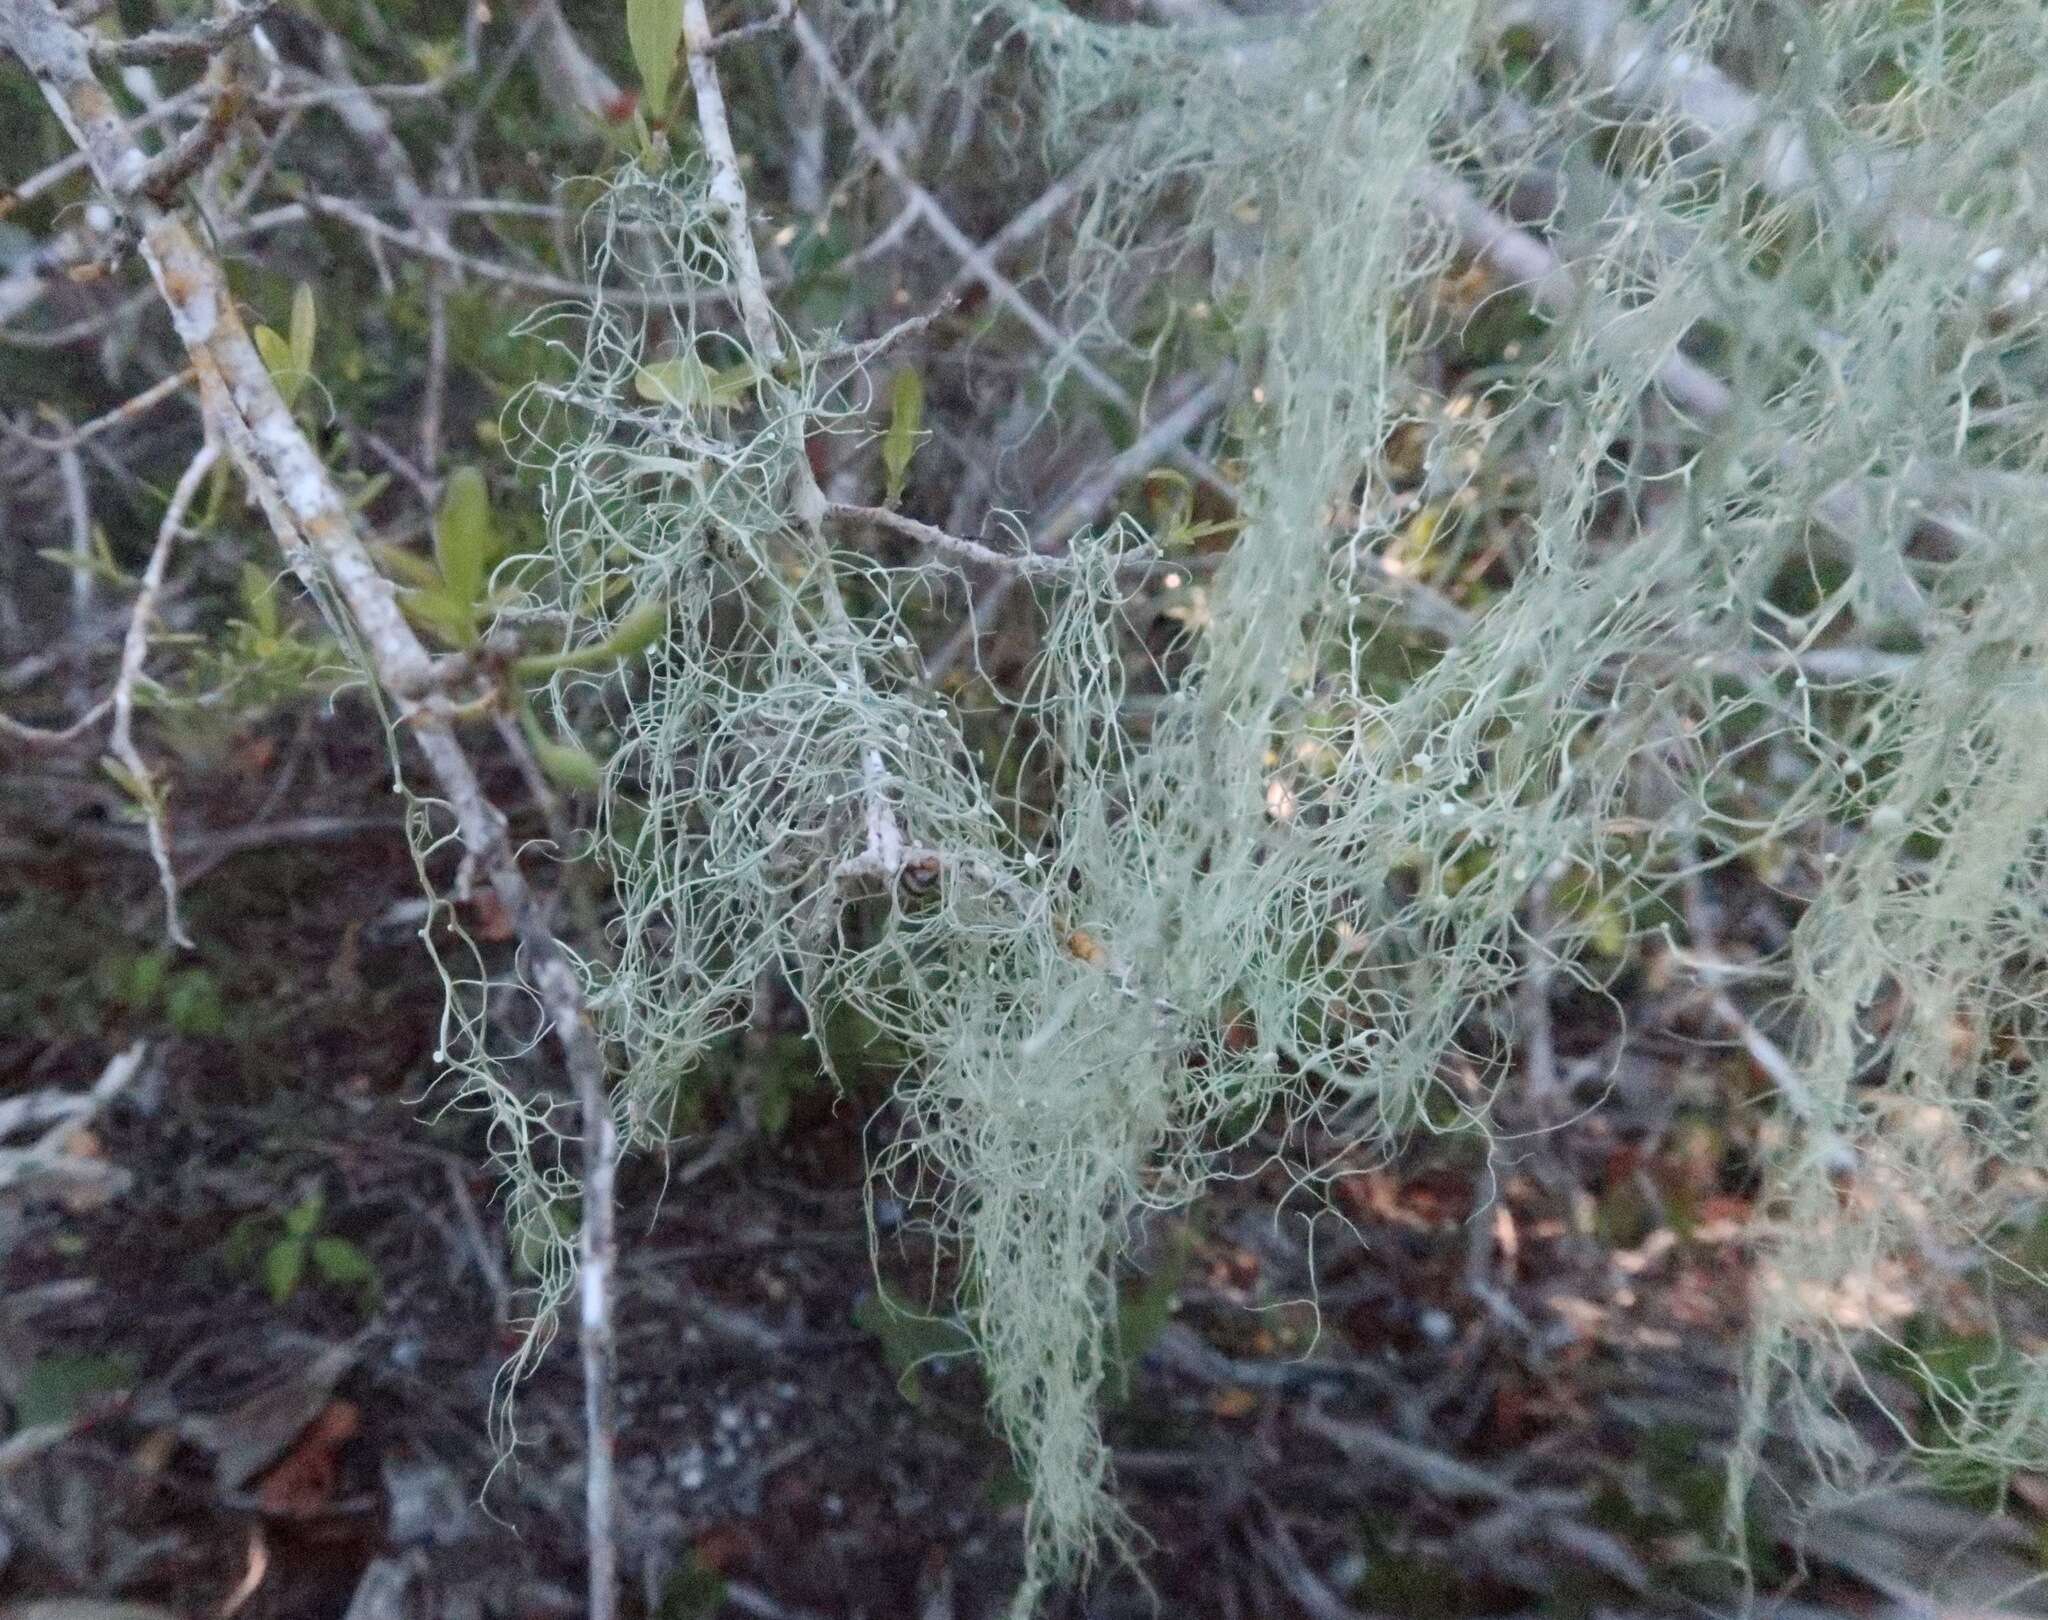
{"x": 1296, "y": 884}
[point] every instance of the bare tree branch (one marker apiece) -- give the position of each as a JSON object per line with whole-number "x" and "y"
{"x": 135, "y": 648}
{"x": 182, "y": 45}
{"x": 316, "y": 530}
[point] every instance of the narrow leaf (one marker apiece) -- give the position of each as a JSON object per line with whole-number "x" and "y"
{"x": 259, "y": 598}
{"x": 638, "y": 631}
{"x": 283, "y": 1265}
{"x": 305, "y": 328}
{"x": 407, "y": 567}
{"x": 440, "y": 613}
{"x": 463, "y": 541}
{"x": 341, "y": 1262}
{"x": 568, "y": 764}
{"x": 304, "y": 1215}
{"x": 655, "y": 28}
{"x": 681, "y": 381}
{"x": 283, "y": 365}
{"x": 906, "y": 416}
{"x": 56, "y": 1388}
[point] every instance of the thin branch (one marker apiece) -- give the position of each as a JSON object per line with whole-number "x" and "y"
{"x": 127, "y": 411}
{"x": 727, "y": 191}
{"x": 54, "y": 736}
{"x": 172, "y": 168}
{"x": 951, "y": 545}
{"x": 1723, "y": 117}
{"x": 354, "y": 214}
{"x": 779, "y": 19}
{"x": 71, "y": 473}
{"x": 1526, "y": 262}
{"x": 970, "y": 253}
{"x": 134, "y": 649}
{"x": 182, "y": 45}
{"x": 316, "y": 531}
{"x": 61, "y": 1114}
{"x": 1080, "y": 506}
{"x": 71, "y": 163}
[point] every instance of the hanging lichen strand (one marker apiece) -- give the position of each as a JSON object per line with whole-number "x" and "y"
{"x": 1782, "y": 609}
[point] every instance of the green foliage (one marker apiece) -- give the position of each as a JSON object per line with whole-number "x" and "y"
{"x": 290, "y": 359}
{"x": 686, "y": 383}
{"x": 188, "y": 999}
{"x": 910, "y": 1339}
{"x": 451, "y": 598}
{"x": 466, "y": 542}
{"x": 655, "y": 30}
{"x": 568, "y": 764}
{"x": 693, "y": 1592}
{"x": 282, "y": 1249}
{"x": 906, "y": 418}
{"x": 58, "y": 1388}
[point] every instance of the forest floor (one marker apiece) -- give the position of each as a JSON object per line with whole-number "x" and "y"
{"x": 252, "y": 1355}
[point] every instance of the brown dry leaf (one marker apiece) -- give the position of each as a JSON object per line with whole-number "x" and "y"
{"x": 255, "y": 755}
{"x": 487, "y": 919}
{"x": 2031, "y": 1489}
{"x": 1234, "y": 1403}
{"x": 152, "y": 1455}
{"x": 255, "y": 1434}
{"x": 303, "y": 1482}
{"x": 724, "y": 1548}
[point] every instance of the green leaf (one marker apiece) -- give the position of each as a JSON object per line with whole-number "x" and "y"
{"x": 283, "y": 365}
{"x": 304, "y": 1216}
{"x": 682, "y": 382}
{"x": 688, "y": 384}
{"x": 55, "y": 1387}
{"x": 238, "y": 1252}
{"x": 192, "y": 1004}
{"x": 655, "y": 28}
{"x": 636, "y": 632}
{"x": 341, "y": 1263}
{"x": 1142, "y": 1314}
{"x": 146, "y": 978}
{"x": 906, "y": 417}
{"x": 693, "y": 1592}
{"x": 407, "y": 567}
{"x": 359, "y": 498}
{"x": 451, "y": 618}
{"x": 908, "y": 1337}
{"x": 305, "y": 326}
{"x": 567, "y": 764}
{"x": 283, "y": 1266}
{"x": 134, "y": 786}
{"x": 465, "y": 542}
{"x": 259, "y": 598}
{"x": 98, "y": 562}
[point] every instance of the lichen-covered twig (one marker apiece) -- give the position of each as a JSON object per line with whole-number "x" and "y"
{"x": 316, "y": 530}
{"x": 134, "y": 648}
